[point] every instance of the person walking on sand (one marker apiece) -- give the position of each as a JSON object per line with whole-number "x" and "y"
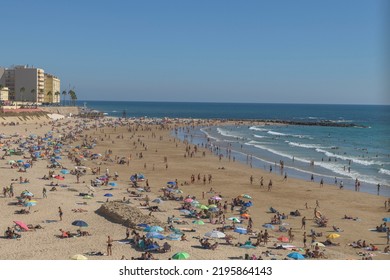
{"x": 60, "y": 213}
{"x": 303, "y": 226}
{"x": 270, "y": 185}
{"x": 109, "y": 246}
{"x": 44, "y": 192}
{"x": 304, "y": 239}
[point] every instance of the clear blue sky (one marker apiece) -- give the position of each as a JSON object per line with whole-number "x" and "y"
{"x": 331, "y": 51}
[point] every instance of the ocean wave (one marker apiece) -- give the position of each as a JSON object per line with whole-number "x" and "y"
{"x": 208, "y": 135}
{"x": 226, "y": 133}
{"x": 259, "y": 136}
{"x": 352, "y": 159}
{"x": 279, "y": 153}
{"x": 288, "y": 135}
{"x": 257, "y": 128}
{"x": 308, "y": 146}
{"x": 384, "y": 171}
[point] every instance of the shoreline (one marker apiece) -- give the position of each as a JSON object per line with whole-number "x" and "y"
{"x": 153, "y": 151}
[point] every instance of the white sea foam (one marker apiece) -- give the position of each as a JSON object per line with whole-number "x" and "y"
{"x": 259, "y": 136}
{"x": 279, "y": 153}
{"x": 257, "y": 128}
{"x": 352, "y": 159}
{"x": 208, "y": 135}
{"x": 384, "y": 171}
{"x": 308, "y": 146}
{"x": 288, "y": 135}
{"x": 276, "y": 133}
{"x": 226, "y": 133}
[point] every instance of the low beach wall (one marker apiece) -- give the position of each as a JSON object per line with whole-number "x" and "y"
{"x": 66, "y": 111}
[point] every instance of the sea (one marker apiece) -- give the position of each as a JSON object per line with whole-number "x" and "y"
{"x": 337, "y": 155}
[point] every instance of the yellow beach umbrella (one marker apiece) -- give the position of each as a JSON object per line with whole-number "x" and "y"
{"x": 333, "y": 236}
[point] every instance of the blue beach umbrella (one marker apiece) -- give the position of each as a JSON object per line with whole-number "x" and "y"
{"x": 387, "y": 219}
{"x": 152, "y": 247}
{"x": 268, "y": 226}
{"x": 154, "y": 234}
{"x": 113, "y": 184}
{"x": 80, "y": 223}
{"x": 153, "y": 229}
{"x": 158, "y": 200}
{"x": 248, "y": 204}
{"x": 173, "y": 236}
{"x": 58, "y": 157}
{"x": 64, "y": 171}
{"x": 27, "y": 165}
{"x": 296, "y": 256}
{"x": 108, "y": 195}
{"x": 240, "y": 230}
{"x": 185, "y": 211}
{"x": 30, "y": 203}
{"x": 143, "y": 225}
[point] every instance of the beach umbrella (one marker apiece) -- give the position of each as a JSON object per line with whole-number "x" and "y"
{"x": 240, "y": 230}
{"x": 215, "y": 234}
{"x": 296, "y": 256}
{"x": 19, "y": 161}
{"x": 203, "y": 207}
{"x": 30, "y": 203}
{"x": 319, "y": 244}
{"x": 152, "y": 247}
{"x": 181, "y": 256}
{"x": 143, "y": 225}
{"x": 185, "y": 211}
{"x": 235, "y": 219}
{"x": 78, "y": 257}
{"x": 246, "y": 196}
{"x": 268, "y": 226}
{"x": 154, "y": 234}
{"x": 248, "y": 204}
{"x": 64, "y": 171}
{"x": 158, "y": 200}
{"x": 178, "y": 191}
{"x": 283, "y": 238}
{"x": 245, "y": 216}
{"x": 108, "y": 195}
{"x": 87, "y": 197}
{"x": 171, "y": 183}
{"x": 27, "y": 165}
{"x": 188, "y": 200}
{"x": 57, "y": 157}
{"x": 113, "y": 184}
{"x": 198, "y": 222}
{"x": 248, "y": 246}
{"x": 195, "y": 202}
{"x": 333, "y": 236}
{"x": 11, "y": 162}
{"x": 213, "y": 209}
{"x": 212, "y": 206}
{"x": 27, "y": 193}
{"x": 173, "y": 236}
{"x": 58, "y": 177}
{"x": 216, "y": 198}
{"x": 153, "y": 228}
{"x": 387, "y": 219}
{"x": 21, "y": 225}
{"x": 79, "y": 223}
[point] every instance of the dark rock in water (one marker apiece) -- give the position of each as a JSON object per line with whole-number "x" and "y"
{"x": 308, "y": 123}
{"x": 124, "y": 214}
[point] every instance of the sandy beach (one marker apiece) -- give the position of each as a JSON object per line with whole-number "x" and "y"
{"x": 142, "y": 147}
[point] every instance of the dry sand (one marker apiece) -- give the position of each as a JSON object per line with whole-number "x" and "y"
{"x": 155, "y": 142}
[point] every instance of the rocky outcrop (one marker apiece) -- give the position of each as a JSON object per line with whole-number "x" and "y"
{"x": 125, "y": 214}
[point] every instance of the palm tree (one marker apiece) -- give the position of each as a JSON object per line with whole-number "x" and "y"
{"x": 32, "y": 94}
{"x": 57, "y": 93}
{"x": 64, "y": 95}
{"x": 50, "y": 94}
{"x": 21, "y": 90}
{"x": 73, "y": 97}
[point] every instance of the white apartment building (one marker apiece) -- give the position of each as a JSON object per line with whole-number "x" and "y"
{"x": 52, "y": 93}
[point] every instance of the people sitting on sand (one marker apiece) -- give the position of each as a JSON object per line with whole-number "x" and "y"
{"x": 53, "y": 189}
{"x": 11, "y": 234}
{"x": 350, "y": 218}
{"x": 337, "y": 229}
{"x": 45, "y": 177}
{"x": 328, "y": 242}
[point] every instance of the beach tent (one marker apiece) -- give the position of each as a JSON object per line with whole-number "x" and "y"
{"x": 80, "y": 223}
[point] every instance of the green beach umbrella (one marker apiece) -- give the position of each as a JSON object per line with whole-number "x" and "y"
{"x": 198, "y": 222}
{"x": 181, "y": 256}
{"x": 203, "y": 207}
